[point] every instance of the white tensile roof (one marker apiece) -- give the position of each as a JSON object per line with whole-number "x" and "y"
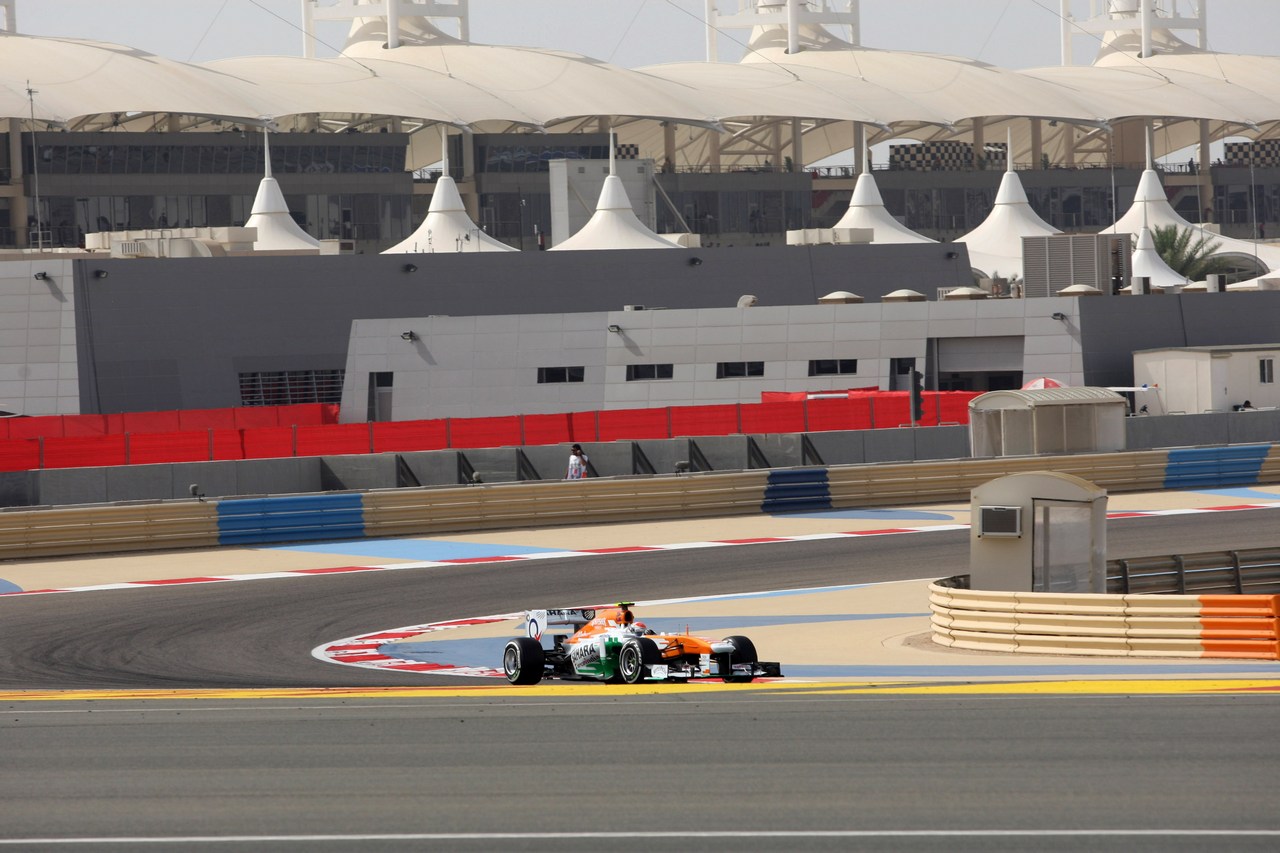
{"x": 614, "y": 225}
{"x": 1151, "y": 209}
{"x": 447, "y": 227}
{"x": 867, "y": 210}
{"x": 433, "y": 77}
{"x": 277, "y": 229}
{"x": 1147, "y": 263}
{"x": 996, "y": 244}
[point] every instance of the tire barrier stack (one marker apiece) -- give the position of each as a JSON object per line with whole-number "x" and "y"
{"x": 1183, "y": 626}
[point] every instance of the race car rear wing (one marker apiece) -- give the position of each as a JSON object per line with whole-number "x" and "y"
{"x": 537, "y": 621}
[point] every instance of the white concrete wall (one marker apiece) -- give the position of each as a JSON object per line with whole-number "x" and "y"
{"x": 38, "y": 370}
{"x": 487, "y": 366}
{"x": 1196, "y": 381}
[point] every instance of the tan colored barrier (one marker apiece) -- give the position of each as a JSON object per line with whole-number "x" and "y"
{"x": 49, "y": 532}
{"x": 1228, "y": 626}
{"x": 924, "y": 482}
{"x": 542, "y": 504}
{"x": 103, "y": 529}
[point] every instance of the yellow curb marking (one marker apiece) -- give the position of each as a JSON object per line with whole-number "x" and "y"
{"x": 1119, "y": 687}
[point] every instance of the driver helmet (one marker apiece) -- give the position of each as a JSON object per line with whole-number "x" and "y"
{"x": 640, "y": 628}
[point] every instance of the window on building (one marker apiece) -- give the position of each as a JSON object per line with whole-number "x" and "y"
{"x": 1266, "y": 370}
{"x": 739, "y": 369}
{"x": 832, "y": 366}
{"x": 287, "y": 387}
{"x": 649, "y": 371}
{"x": 548, "y": 375}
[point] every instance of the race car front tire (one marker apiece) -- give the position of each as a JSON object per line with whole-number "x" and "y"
{"x": 635, "y": 657}
{"x": 744, "y": 651}
{"x": 523, "y": 660}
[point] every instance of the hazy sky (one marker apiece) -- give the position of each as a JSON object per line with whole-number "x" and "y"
{"x": 1012, "y": 33}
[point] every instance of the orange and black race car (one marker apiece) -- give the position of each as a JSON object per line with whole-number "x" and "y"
{"x": 608, "y": 644}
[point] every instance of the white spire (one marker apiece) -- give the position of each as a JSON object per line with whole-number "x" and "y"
{"x": 447, "y": 227}
{"x": 277, "y": 229}
{"x": 1147, "y": 263}
{"x": 996, "y": 244}
{"x": 614, "y": 225}
{"x": 867, "y": 210}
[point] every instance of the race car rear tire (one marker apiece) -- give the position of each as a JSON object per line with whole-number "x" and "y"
{"x": 744, "y": 651}
{"x": 523, "y": 660}
{"x": 634, "y": 657}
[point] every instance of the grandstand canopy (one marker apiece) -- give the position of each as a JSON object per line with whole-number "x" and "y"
{"x": 822, "y": 91}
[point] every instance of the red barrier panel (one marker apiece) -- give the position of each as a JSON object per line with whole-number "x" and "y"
{"x": 618, "y": 424}
{"x": 83, "y": 425}
{"x": 93, "y": 451}
{"x": 553, "y": 429}
{"x": 584, "y": 426}
{"x": 783, "y": 396}
{"x": 257, "y": 417}
{"x": 19, "y": 454}
{"x": 892, "y": 409}
{"x": 760, "y": 418}
{"x": 157, "y": 447}
{"x": 484, "y": 432}
{"x": 408, "y": 436}
{"x": 306, "y": 414}
{"x": 267, "y": 443}
{"x": 152, "y": 422}
{"x": 44, "y": 426}
{"x": 333, "y": 439}
{"x": 4, "y": 426}
{"x": 201, "y": 419}
{"x": 228, "y": 444}
{"x": 704, "y": 420}
{"x": 954, "y": 406}
{"x": 115, "y": 424}
{"x": 849, "y": 413}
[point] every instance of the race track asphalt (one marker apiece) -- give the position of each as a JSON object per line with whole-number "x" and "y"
{"x": 726, "y": 769}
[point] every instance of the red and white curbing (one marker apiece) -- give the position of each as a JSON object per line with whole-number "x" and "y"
{"x": 365, "y": 650}
{"x": 594, "y": 552}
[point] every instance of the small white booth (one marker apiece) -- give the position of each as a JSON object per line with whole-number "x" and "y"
{"x": 1040, "y": 531}
{"x": 1046, "y": 420}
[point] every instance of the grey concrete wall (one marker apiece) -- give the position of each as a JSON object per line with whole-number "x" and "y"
{"x": 1213, "y": 428}
{"x": 1112, "y": 328}
{"x": 609, "y": 459}
{"x": 160, "y": 334}
{"x": 433, "y": 467}
{"x": 373, "y": 471}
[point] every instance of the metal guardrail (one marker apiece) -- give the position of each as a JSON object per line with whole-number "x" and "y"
{"x": 1249, "y": 572}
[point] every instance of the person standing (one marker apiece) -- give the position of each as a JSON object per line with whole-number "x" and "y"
{"x": 577, "y": 464}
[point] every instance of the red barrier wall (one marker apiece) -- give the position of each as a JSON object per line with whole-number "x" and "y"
{"x": 19, "y": 454}
{"x": 618, "y": 424}
{"x": 406, "y": 436}
{"x": 333, "y": 439}
{"x": 484, "y": 432}
{"x": 92, "y": 451}
{"x": 773, "y": 417}
{"x": 269, "y": 432}
{"x": 704, "y": 420}
{"x": 267, "y": 443}
{"x": 555, "y": 429}
{"x": 154, "y": 448}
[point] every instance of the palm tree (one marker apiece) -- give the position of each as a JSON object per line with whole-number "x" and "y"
{"x": 1186, "y": 256}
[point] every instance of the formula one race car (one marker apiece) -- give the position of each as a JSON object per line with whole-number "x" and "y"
{"x": 609, "y": 645}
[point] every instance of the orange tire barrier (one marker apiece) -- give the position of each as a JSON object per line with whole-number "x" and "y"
{"x": 1194, "y": 626}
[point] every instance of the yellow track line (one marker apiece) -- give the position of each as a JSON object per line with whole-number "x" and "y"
{"x": 897, "y": 688}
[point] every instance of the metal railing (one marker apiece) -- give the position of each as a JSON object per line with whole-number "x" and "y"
{"x": 1250, "y": 572}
